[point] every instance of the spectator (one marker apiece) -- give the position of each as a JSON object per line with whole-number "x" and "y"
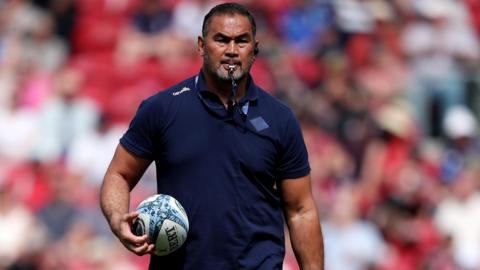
{"x": 64, "y": 117}
{"x": 21, "y": 16}
{"x": 22, "y": 123}
{"x": 352, "y": 243}
{"x": 187, "y": 26}
{"x": 43, "y": 50}
{"x": 61, "y": 211}
{"x": 19, "y": 230}
{"x": 462, "y": 148}
{"x": 64, "y": 14}
{"x": 302, "y": 26}
{"x": 458, "y": 217}
{"x": 151, "y": 17}
{"x": 388, "y": 154}
{"x": 91, "y": 152}
{"x": 434, "y": 43}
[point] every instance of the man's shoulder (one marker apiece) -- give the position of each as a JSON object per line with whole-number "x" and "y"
{"x": 173, "y": 92}
{"x": 271, "y": 102}
{"x": 167, "y": 99}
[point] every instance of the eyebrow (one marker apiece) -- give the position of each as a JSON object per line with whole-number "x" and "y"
{"x": 225, "y": 36}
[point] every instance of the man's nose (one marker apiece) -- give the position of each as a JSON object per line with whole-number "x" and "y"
{"x": 232, "y": 48}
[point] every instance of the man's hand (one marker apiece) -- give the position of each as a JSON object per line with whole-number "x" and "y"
{"x": 121, "y": 227}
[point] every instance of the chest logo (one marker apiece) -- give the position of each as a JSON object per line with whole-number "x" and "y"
{"x": 184, "y": 89}
{"x": 259, "y": 124}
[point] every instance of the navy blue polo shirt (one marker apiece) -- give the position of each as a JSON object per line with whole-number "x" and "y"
{"x": 224, "y": 167}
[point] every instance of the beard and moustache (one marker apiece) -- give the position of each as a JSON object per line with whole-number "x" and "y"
{"x": 220, "y": 73}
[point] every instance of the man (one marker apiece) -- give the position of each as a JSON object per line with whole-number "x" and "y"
{"x": 234, "y": 161}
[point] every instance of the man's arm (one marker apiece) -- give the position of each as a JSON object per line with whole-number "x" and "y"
{"x": 123, "y": 173}
{"x": 303, "y": 222}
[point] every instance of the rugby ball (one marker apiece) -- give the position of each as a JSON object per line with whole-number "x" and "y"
{"x": 165, "y": 222}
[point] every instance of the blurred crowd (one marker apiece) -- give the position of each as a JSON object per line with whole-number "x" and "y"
{"x": 387, "y": 93}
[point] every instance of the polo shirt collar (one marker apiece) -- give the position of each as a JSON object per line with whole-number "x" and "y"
{"x": 251, "y": 93}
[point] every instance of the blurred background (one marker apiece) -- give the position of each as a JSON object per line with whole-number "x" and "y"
{"x": 387, "y": 93}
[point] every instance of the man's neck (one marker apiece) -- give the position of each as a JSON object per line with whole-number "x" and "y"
{"x": 223, "y": 89}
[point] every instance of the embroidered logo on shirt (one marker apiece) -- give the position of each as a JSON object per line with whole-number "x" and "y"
{"x": 184, "y": 89}
{"x": 259, "y": 124}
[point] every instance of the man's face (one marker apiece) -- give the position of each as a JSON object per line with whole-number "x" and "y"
{"x": 228, "y": 41}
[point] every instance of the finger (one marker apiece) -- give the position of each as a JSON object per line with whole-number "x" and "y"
{"x": 127, "y": 221}
{"x": 141, "y": 250}
{"x": 129, "y": 217}
{"x": 134, "y": 240}
{"x": 140, "y": 240}
{"x": 151, "y": 248}
{"x": 127, "y": 237}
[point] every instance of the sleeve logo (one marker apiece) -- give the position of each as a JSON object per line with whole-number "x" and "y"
{"x": 184, "y": 89}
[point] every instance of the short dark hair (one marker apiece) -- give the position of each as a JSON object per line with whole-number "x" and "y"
{"x": 228, "y": 9}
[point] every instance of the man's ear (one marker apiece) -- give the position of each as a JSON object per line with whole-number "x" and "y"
{"x": 200, "y": 46}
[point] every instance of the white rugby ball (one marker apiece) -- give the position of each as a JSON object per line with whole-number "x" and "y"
{"x": 165, "y": 222}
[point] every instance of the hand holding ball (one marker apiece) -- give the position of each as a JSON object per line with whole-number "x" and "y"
{"x": 165, "y": 222}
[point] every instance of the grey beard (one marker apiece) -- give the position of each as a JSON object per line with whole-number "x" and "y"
{"x": 221, "y": 74}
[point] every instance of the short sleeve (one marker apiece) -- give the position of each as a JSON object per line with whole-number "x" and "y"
{"x": 293, "y": 159}
{"x": 140, "y": 135}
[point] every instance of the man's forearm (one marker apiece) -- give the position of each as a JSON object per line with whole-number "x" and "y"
{"x": 307, "y": 240}
{"x": 114, "y": 197}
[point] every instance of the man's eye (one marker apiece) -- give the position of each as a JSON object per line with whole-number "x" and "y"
{"x": 221, "y": 40}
